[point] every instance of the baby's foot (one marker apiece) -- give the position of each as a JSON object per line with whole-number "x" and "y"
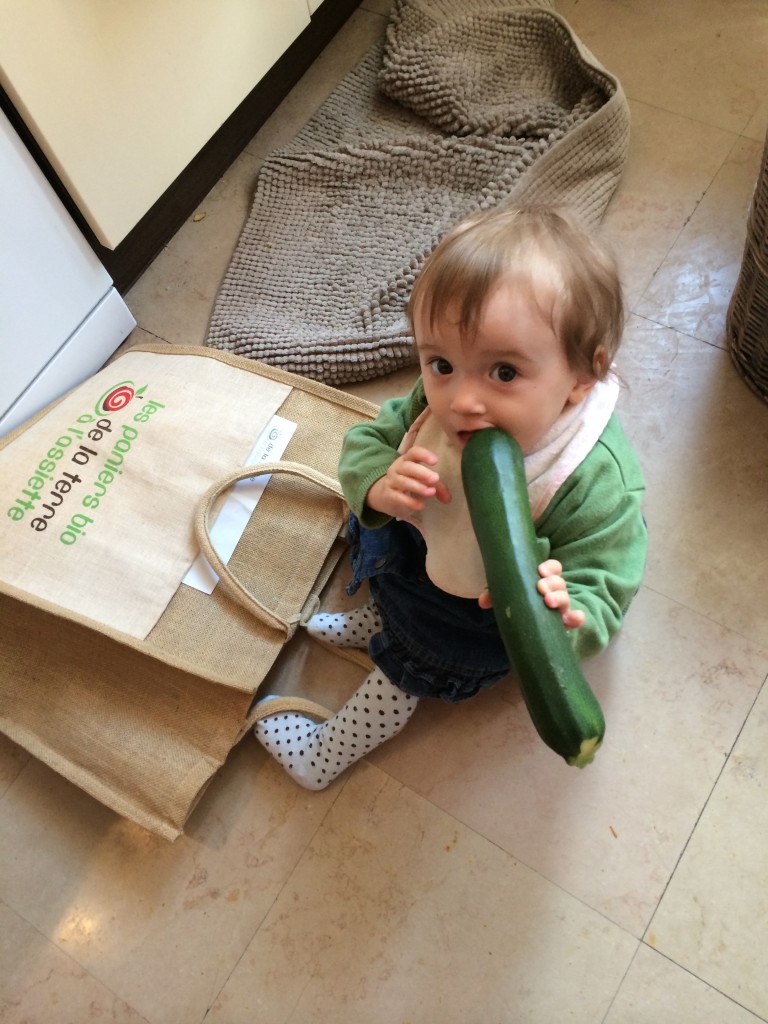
{"x": 288, "y": 737}
{"x": 353, "y": 628}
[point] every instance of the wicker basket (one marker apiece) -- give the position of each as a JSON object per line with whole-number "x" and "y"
{"x": 747, "y": 319}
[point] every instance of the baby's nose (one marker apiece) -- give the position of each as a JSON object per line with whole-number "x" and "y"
{"x": 467, "y": 398}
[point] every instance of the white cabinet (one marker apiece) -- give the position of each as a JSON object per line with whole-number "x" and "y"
{"x": 60, "y": 317}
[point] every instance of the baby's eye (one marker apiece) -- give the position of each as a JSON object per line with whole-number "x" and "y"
{"x": 504, "y": 373}
{"x": 440, "y": 366}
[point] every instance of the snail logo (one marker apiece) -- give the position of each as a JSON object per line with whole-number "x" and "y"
{"x": 118, "y": 397}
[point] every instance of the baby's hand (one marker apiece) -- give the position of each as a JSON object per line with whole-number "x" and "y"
{"x": 406, "y": 484}
{"x": 552, "y": 587}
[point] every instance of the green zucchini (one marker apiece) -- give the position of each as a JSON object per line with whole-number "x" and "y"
{"x": 561, "y": 703}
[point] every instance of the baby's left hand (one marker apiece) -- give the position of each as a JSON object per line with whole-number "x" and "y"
{"x": 555, "y": 593}
{"x": 552, "y": 587}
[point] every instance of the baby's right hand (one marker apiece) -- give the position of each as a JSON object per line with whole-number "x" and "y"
{"x": 406, "y": 484}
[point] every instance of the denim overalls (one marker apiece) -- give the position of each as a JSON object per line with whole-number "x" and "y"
{"x": 432, "y": 644}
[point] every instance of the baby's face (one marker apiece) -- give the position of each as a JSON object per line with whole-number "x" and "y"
{"x": 513, "y": 375}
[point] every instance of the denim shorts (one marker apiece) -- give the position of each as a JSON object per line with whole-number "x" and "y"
{"x": 432, "y": 644}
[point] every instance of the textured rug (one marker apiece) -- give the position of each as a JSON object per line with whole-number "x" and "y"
{"x": 465, "y": 104}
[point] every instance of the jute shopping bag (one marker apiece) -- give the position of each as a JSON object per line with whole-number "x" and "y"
{"x": 118, "y": 667}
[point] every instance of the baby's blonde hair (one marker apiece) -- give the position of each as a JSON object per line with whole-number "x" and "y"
{"x": 572, "y": 277}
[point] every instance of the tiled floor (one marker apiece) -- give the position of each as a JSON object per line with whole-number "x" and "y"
{"x": 463, "y": 874}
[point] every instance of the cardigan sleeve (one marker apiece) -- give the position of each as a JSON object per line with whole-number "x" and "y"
{"x": 369, "y": 449}
{"x": 595, "y": 528}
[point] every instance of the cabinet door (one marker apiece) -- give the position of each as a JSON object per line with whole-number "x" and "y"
{"x": 122, "y": 96}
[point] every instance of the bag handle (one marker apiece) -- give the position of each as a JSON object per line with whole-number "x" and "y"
{"x": 279, "y": 705}
{"x": 232, "y": 586}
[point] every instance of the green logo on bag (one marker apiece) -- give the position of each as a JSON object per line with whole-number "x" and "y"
{"x": 93, "y": 445}
{"x": 117, "y": 397}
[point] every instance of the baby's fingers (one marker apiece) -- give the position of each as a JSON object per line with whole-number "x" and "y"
{"x": 550, "y": 568}
{"x": 573, "y": 618}
{"x": 442, "y": 493}
{"x": 420, "y": 455}
{"x": 554, "y": 591}
{"x": 556, "y": 596}
{"x": 414, "y": 479}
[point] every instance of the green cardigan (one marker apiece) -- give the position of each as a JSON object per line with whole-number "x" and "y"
{"x": 593, "y": 525}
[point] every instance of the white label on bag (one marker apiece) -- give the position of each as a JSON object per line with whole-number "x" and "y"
{"x": 242, "y": 500}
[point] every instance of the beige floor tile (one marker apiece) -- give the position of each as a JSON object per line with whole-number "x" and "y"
{"x": 694, "y": 284}
{"x": 758, "y": 125}
{"x": 703, "y": 59}
{"x": 12, "y": 760}
{"x": 174, "y": 298}
{"x": 713, "y": 919}
{"x": 162, "y": 925}
{"x": 399, "y": 913}
{"x": 138, "y": 336}
{"x": 674, "y": 689}
{"x": 672, "y": 162}
{"x": 382, "y": 7}
{"x": 656, "y": 990}
{"x": 701, "y": 436}
{"x": 39, "y": 984}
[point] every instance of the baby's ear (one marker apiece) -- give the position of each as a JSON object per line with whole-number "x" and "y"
{"x": 601, "y": 362}
{"x": 584, "y": 384}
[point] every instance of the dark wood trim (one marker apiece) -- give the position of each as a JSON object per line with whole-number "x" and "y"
{"x": 133, "y": 255}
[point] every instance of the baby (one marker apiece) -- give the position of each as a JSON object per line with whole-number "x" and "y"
{"x": 517, "y": 317}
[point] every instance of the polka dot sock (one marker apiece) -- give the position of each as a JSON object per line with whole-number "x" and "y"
{"x": 353, "y": 628}
{"x": 315, "y": 754}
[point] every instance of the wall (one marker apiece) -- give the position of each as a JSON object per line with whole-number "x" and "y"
{"x": 121, "y": 94}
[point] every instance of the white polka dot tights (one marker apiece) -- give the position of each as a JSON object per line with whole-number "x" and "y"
{"x": 315, "y": 754}
{"x": 352, "y": 628}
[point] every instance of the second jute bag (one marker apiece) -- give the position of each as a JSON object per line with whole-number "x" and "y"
{"x": 125, "y": 664}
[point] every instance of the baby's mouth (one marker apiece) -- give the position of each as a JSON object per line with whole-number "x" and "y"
{"x": 463, "y": 436}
